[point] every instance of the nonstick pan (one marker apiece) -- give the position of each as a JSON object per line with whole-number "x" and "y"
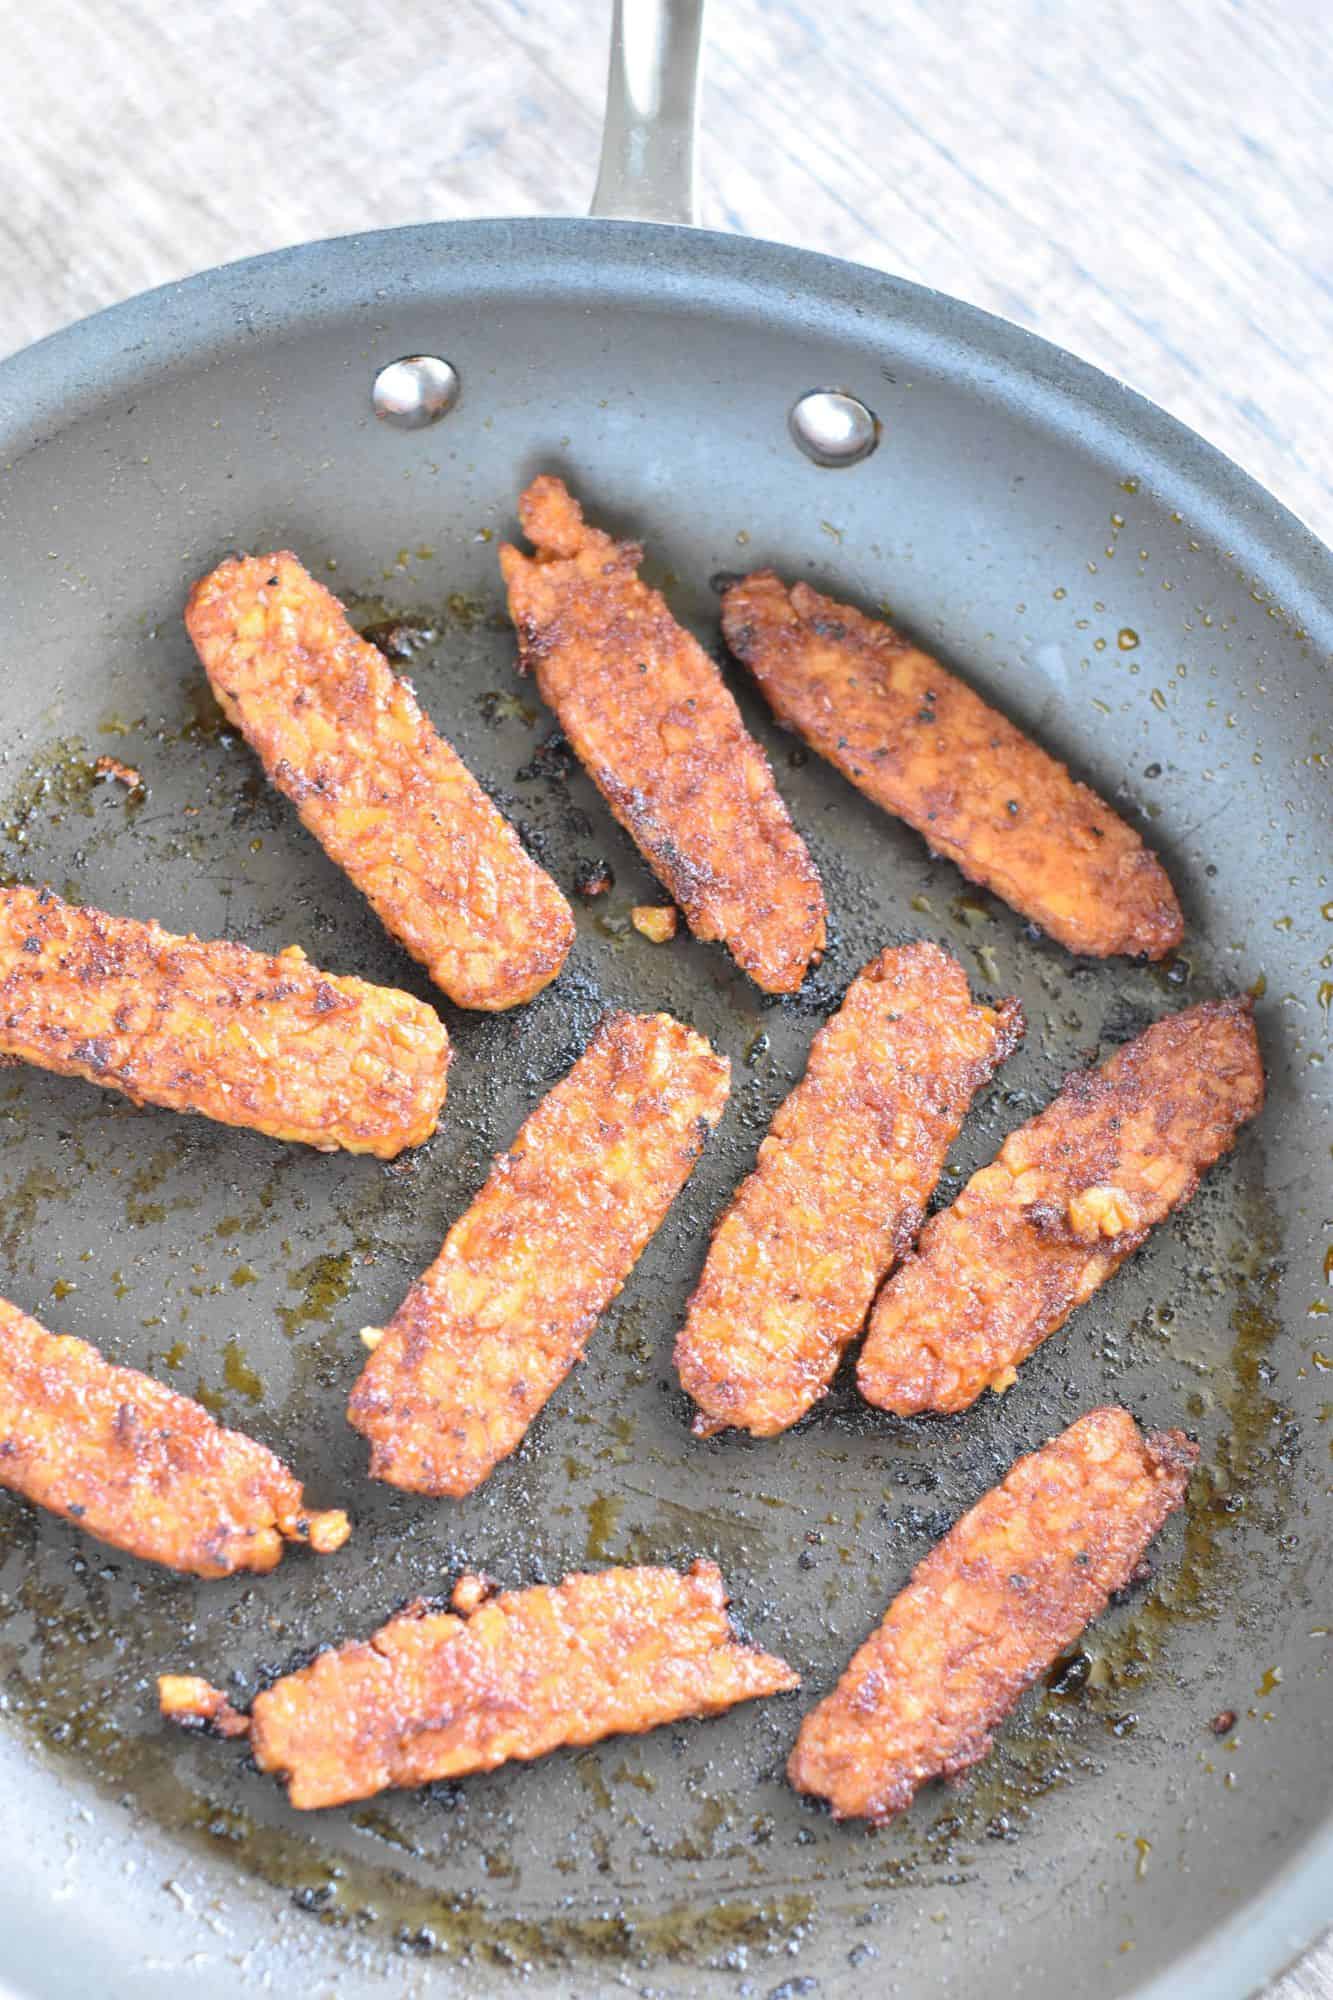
{"x": 1105, "y": 577}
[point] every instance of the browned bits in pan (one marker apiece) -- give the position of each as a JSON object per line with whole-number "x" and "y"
{"x": 839, "y": 1189}
{"x": 921, "y": 744}
{"x": 248, "y": 1039}
{"x": 139, "y": 1466}
{"x": 651, "y": 719}
{"x": 383, "y": 793}
{"x": 1070, "y": 1196}
{"x": 1007, "y": 1590}
{"x": 487, "y": 1335}
{"x": 438, "y": 1694}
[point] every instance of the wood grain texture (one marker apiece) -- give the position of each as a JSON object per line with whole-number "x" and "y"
{"x": 1148, "y": 185}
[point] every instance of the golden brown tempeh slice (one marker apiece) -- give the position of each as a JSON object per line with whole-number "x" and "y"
{"x": 438, "y": 1694}
{"x": 921, "y": 744}
{"x": 139, "y": 1466}
{"x": 994, "y": 1604}
{"x": 1070, "y": 1195}
{"x": 386, "y": 797}
{"x": 839, "y": 1189}
{"x": 651, "y": 719}
{"x": 487, "y": 1335}
{"x": 268, "y": 1042}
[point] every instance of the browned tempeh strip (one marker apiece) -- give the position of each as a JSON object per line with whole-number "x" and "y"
{"x": 993, "y": 1605}
{"x": 139, "y": 1466}
{"x": 438, "y": 1694}
{"x": 921, "y": 744}
{"x": 1070, "y": 1195}
{"x": 650, "y": 717}
{"x": 839, "y": 1189}
{"x": 248, "y": 1039}
{"x": 343, "y": 736}
{"x": 504, "y": 1312}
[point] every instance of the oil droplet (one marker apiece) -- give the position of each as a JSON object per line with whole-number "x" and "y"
{"x": 1272, "y": 1679}
{"x": 1282, "y": 923}
{"x": 1143, "y": 1849}
{"x": 1126, "y": 639}
{"x": 1117, "y": 522}
{"x": 1059, "y": 592}
{"x": 1157, "y": 698}
{"x": 1258, "y": 987}
{"x": 1099, "y": 645}
{"x": 921, "y": 904}
{"x": 238, "y": 1374}
{"x": 603, "y": 1517}
{"x": 1326, "y": 912}
{"x": 62, "y": 1288}
{"x": 324, "y": 1283}
{"x": 1132, "y": 486}
{"x": 1325, "y": 994}
{"x": 1328, "y": 1265}
{"x": 1322, "y": 1362}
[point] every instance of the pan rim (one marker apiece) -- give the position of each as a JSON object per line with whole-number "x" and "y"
{"x": 55, "y": 380}
{"x": 281, "y": 294}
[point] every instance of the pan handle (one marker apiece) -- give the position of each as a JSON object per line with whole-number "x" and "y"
{"x": 647, "y": 167}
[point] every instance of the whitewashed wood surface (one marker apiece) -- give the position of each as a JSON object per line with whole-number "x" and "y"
{"x": 1147, "y": 182}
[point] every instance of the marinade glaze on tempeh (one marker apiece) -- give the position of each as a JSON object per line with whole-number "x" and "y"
{"x": 924, "y": 746}
{"x": 992, "y": 1606}
{"x": 438, "y": 1694}
{"x": 485, "y": 1337}
{"x": 387, "y": 798}
{"x": 655, "y": 726}
{"x": 1069, "y": 1197}
{"x": 139, "y": 1466}
{"x": 839, "y": 1189}
{"x": 268, "y": 1042}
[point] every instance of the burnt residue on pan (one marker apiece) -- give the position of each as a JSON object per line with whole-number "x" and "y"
{"x": 240, "y": 1271}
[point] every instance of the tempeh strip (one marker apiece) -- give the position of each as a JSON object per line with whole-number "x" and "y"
{"x": 139, "y": 1466}
{"x": 387, "y": 798}
{"x": 992, "y": 1606}
{"x": 652, "y": 721}
{"x": 438, "y": 1694}
{"x": 488, "y": 1334}
{"x": 839, "y": 1189}
{"x": 922, "y": 745}
{"x": 248, "y": 1039}
{"x": 1069, "y": 1197}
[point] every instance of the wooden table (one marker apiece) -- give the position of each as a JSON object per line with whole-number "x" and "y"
{"x": 1144, "y": 181}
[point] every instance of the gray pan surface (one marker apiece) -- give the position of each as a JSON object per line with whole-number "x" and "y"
{"x": 1100, "y": 574}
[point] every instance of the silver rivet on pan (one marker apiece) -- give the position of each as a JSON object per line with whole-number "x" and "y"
{"x": 414, "y": 392}
{"x": 833, "y": 428}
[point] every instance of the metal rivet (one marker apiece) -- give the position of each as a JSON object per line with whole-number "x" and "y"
{"x": 833, "y": 428}
{"x": 414, "y": 392}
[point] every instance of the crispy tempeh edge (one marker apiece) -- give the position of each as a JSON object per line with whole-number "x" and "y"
{"x": 839, "y": 1188}
{"x": 993, "y": 1604}
{"x": 386, "y": 796}
{"x": 925, "y": 747}
{"x": 208, "y": 1466}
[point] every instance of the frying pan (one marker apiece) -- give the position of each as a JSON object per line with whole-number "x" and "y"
{"x": 1110, "y": 581}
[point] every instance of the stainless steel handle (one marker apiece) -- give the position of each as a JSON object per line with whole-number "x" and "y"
{"x": 647, "y": 168}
